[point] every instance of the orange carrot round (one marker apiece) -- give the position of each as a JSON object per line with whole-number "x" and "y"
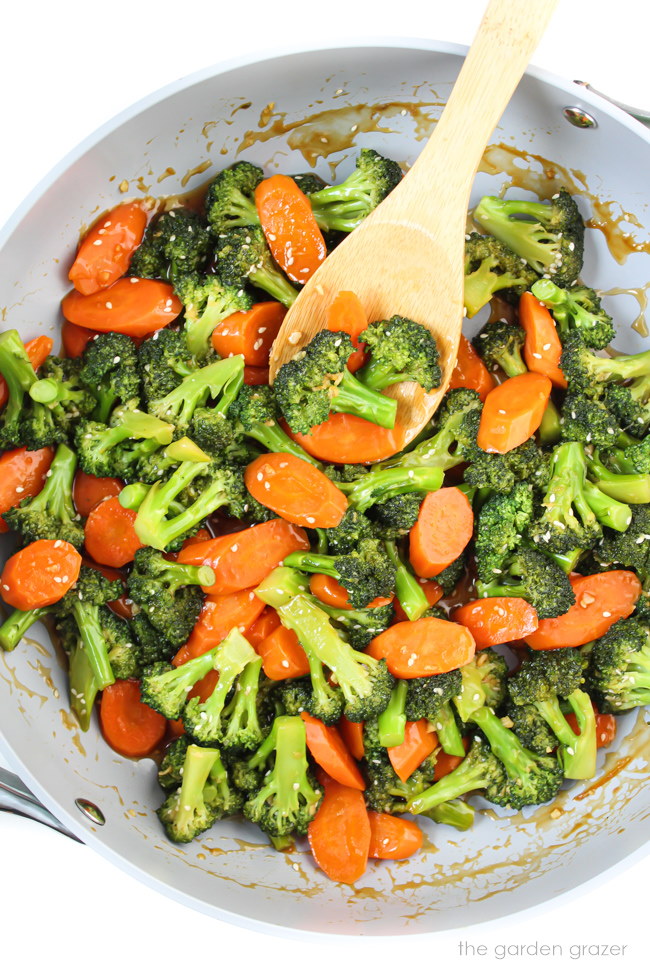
{"x": 88, "y": 491}
{"x": 331, "y": 592}
{"x": 419, "y": 742}
{"x": 110, "y": 534}
{"x": 432, "y": 591}
{"x": 244, "y": 559}
{"x": 295, "y": 490}
{"x": 132, "y": 306}
{"x": 421, "y": 648}
{"x": 542, "y": 348}
{"x": 74, "y": 339}
{"x": 105, "y": 252}
{"x": 601, "y": 600}
{"x": 262, "y": 627}
{"x": 282, "y": 655}
{"x": 392, "y": 837}
{"x": 22, "y": 475}
{"x": 40, "y": 574}
{"x": 352, "y": 735}
{"x": 129, "y": 726}
{"x": 497, "y": 619}
{"x": 347, "y": 439}
{"x": 347, "y": 314}
{"x": 339, "y": 833}
{"x": 249, "y": 333}
{"x": 447, "y": 763}
{"x": 256, "y": 375}
{"x": 512, "y": 412}
{"x": 290, "y": 228}
{"x": 443, "y": 528}
{"x": 219, "y": 614}
{"x": 470, "y": 371}
{"x": 37, "y": 351}
{"x": 331, "y": 753}
{"x": 605, "y": 727}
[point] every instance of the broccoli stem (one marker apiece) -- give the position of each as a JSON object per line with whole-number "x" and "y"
{"x": 609, "y": 512}
{"x": 380, "y": 485}
{"x": 197, "y": 766}
{"x": 448, "y": 733}
{"x": 628, "y": 488}
{"x": 273, "y": 437}
{"x": 56, "y": 496}
{"x": 188, "y": 575}
{"x": 577, "y": 753}
{"x": 19, "y": 376}
{"x": 391, "y": 724}
{"x": 87, "y": 619}
{"x": 550, "y": 429}
{"x": 454, "y": 813}
{"x": 408, "y": 590}
{"x": 281, "y": 585}
{"x": 16, "y": 625}
{"x": 83, "y": 685}
{"x": 503, "y": 742}
{"x": 352, "y": 396}
{"x": 274, "y": 284}
{"x": 464, "y": 778}
{"x": 567, "y": 560}
{"x": 133, "y": 495}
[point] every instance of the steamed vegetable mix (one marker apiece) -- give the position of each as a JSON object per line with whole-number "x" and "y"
{"x": 301, "y": 637}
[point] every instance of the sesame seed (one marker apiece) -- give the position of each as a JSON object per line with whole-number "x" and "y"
{"x": 109, "y": 304}
{"x": 97, "y": 243}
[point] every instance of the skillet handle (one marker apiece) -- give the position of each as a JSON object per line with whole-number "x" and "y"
{"x": 16, "y": 798}
{"x": 640, "y": 114}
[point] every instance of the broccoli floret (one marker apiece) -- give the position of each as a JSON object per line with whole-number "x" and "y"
{"x": 624, "y": 488}
{"x": 230, "y": 200}
{"x": 535, "y": 577}
{"x": 317, "y": 382}
{"x": 359, "y": 626}
{"x": 18, "y": 622}
{"x": 59, "y": 400}
{"x": 110, "y": 371}
{"x": 366, "y": 573}
{"x": 247, "y": 713}
{"x": 164, "y": 361}
{"x": 631, "y": 405}
{"x": 167, "y": 593}
{"x": 500, "y": 344}
{"x": 631, "y": 459}
{"x": 491, "y": 267}
{"x": 430, "y": 698}
{"x": 576, "y": 309}
{"x": 83, "y": 603}
{"x": 176, "y": 243}
{"x": 82, "y": 682}
{"x": 364, "y": 682}
{"x": 386, "y": 792}
{"x": 588, "y": 421}
{"x": 393, "y": 518}
{"x": 289, "y": 796}
{"x": 449, "y": 578}
{"x": 401, "y": 350}
{"x": 619, "y": 667}
{"x": 122, "y": 646}
{"x": 352, "y": 529}
{"x": 344, "y": 205}
{"x": 19, "y": 375}
{"x": 118, "y": 449}
{"x": 591, "y": 374}
{"x": 152, "y": 646}
{"x": 543, "y": 681}
{"x": 531, "y": 729}
{"x": 221, "y": 379}
{"x": 255, "y": 413}
{"x": 502, "y": 521}
{"x": 207, "y": 302}
{"x": 381, "y": 485}
{"x": 568, "y": 521}
{"x": 483, "y": 682}
{"x": 309, "y": 182}
{"x": 549, "y": 236}
{"x": 242, "y": 255}
{"x": 631, "y": 548}
{"x": 480, "y": 769}
{"x": 51, "y": 513}
{"x": 411, "y": 595}
{"x": 204, "y": 796}
{"x": 170, "y": 771}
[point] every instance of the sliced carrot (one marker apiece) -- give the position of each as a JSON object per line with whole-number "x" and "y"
{"x": 129, "y": 725}
{"x": 219, "y": 614}
{"x": 204, "y": 687}
{"x": 332, "y": 593}
{"x": 74, "y": 339}
{"x": 347, "y": 439}
{"x": 22, "y": 475}
{"x": 202, "y": 535}
{"x": 37, "y": 351}
{"x": 243, "y": 559}
{"x": 262, "y": 627}
{"x": 443, "y": 528}
{"x": 419, "y": 742}
{"x": 421, "y": 648}
{"x": 605, "y": 727}
{"x": 256, "y": 375}
{"x": 132, "y": 306}
{"x": 497, "y": 619}
{"x": 331, "y": 753}
{"x": 352, "y": 734}
{"x": 601, "y": 600}
{"x": 542, "y": 348}
{"x": 105, "y": 252}
{"x": 432, "y": 591}
{"x": 290, "y": 228}
{"x": 470, "y": 371}
{"x": 249, "y": 333}
{"x": 347, "y": 314}
{"x": 295, "y": 490}
{"x": 447, "y": 763}
{"x": 339, "y": 833}
{"x": 88, "y": 491}
{"x": 282, "y": 655}
{"x": 175, "y": 728}
{"x": 40, "y": 574}
{"x": 392, "y": 837}
{"x": 513, "y": 412}
{"x": 110, "y": 534}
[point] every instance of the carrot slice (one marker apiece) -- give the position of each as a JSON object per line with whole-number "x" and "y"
{"x": 262, "y": 627}
{"x": 512, "y": 412}
{"x": 37, "y": 351}
{"x": 393, "y": 838}
{"x": 295, "y": 490}
{"x": 282, "y": 655}
{"x": 347, "y": 439}
{"x": 290, "y": 228}
{"x": 332, "y": 593}
{"x": 256, "y": 375}
{"x": 421, "y": 648}
{"x": 242, "y": 560}
{"x": 40, "y": 574}
{"x": 432, "y": 591}
{"x": 202, "y": 535}
{"x": 339, "y": 833}
{"x": 74, "y": 339}
{"x": 249, "y": 333}
{"x": 175, "y": 728}
{"x": 542, "y": 348}
{"x": 419, "y": 742}
{"x": 132, "y": 306}
{"x": 22, "y": 475}
{"x": 110, "y": 535}
{"x": 443, "y": 528}
{"x": 352, "y": 734}
{"x": 204, "y": 687}
{"x": 447, "y": 763}
{"x": 347, "y": 314}
{"x": 330, "y": 751}
{"x": 105, "y": 252}
{"x": 88, "y": 491}
{"x": 470, "y": 371}
{"x": 217, "y": 617}
{"x": 601, "y": 600}
{"x": 129, "y": 726}
{"x": 497, "y": 619}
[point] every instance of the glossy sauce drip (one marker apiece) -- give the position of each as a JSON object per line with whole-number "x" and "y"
{"x": 640, "y": 324}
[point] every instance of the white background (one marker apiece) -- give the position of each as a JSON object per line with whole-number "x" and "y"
{"x": 65, "y": 69}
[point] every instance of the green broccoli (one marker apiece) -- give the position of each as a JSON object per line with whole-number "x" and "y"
{"x": 208, "y": 301}
{"x": 175, "y": 243}
{"x": 393, "y": 518}
{"x": 230, "y": 200}
{"x": 449, "y": 578}
{"x": 430, "y": 698}
{"x": 19, "y": 375}
{"x": 352, "y": 529}
{"x": 205, "y": 795}
{"x": 624, "y": 488}
{"x": 400, "y": 350}
{"x": 82, "y": 683}
{"x": 51, "y": 513}
{"x": 221, "y": 379}
{"x": 411, "y": 595}
{"x": 502, "y": 521}
{"x": 122, "y": 646}
{"x": 110, "y": 370}
{"x": 588, "y": 421}
{"x": 83, "y": 602}
{"x": 170, "y": 771}
{"x": 567, "y": 521}
{"x": 491, "y": 267}
{"x": 18, "y": 622}
{"x": 164, "y": 361}
{"x": 619, "y": 667}
{"x": 59, "y": 400}
{"x": 591, "y": 374}
{"x": 152, "y": 646}
{"x": 535, "y": 577}
{"x": 242, "y": 256}
{"x": 344, "y": 205}
{"x": 500, "y": 344}
{"x": 576, "y": 309}
{"x": 380, "y": 485}
{"x": 117, "y": 449}
{"x": 483, "y": 683}
{"x": 367, "y": 572}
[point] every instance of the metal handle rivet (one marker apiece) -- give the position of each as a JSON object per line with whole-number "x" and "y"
{"x": 90, "y": 810}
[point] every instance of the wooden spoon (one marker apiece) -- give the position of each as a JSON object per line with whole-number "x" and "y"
{"x": 407, "y": 257}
